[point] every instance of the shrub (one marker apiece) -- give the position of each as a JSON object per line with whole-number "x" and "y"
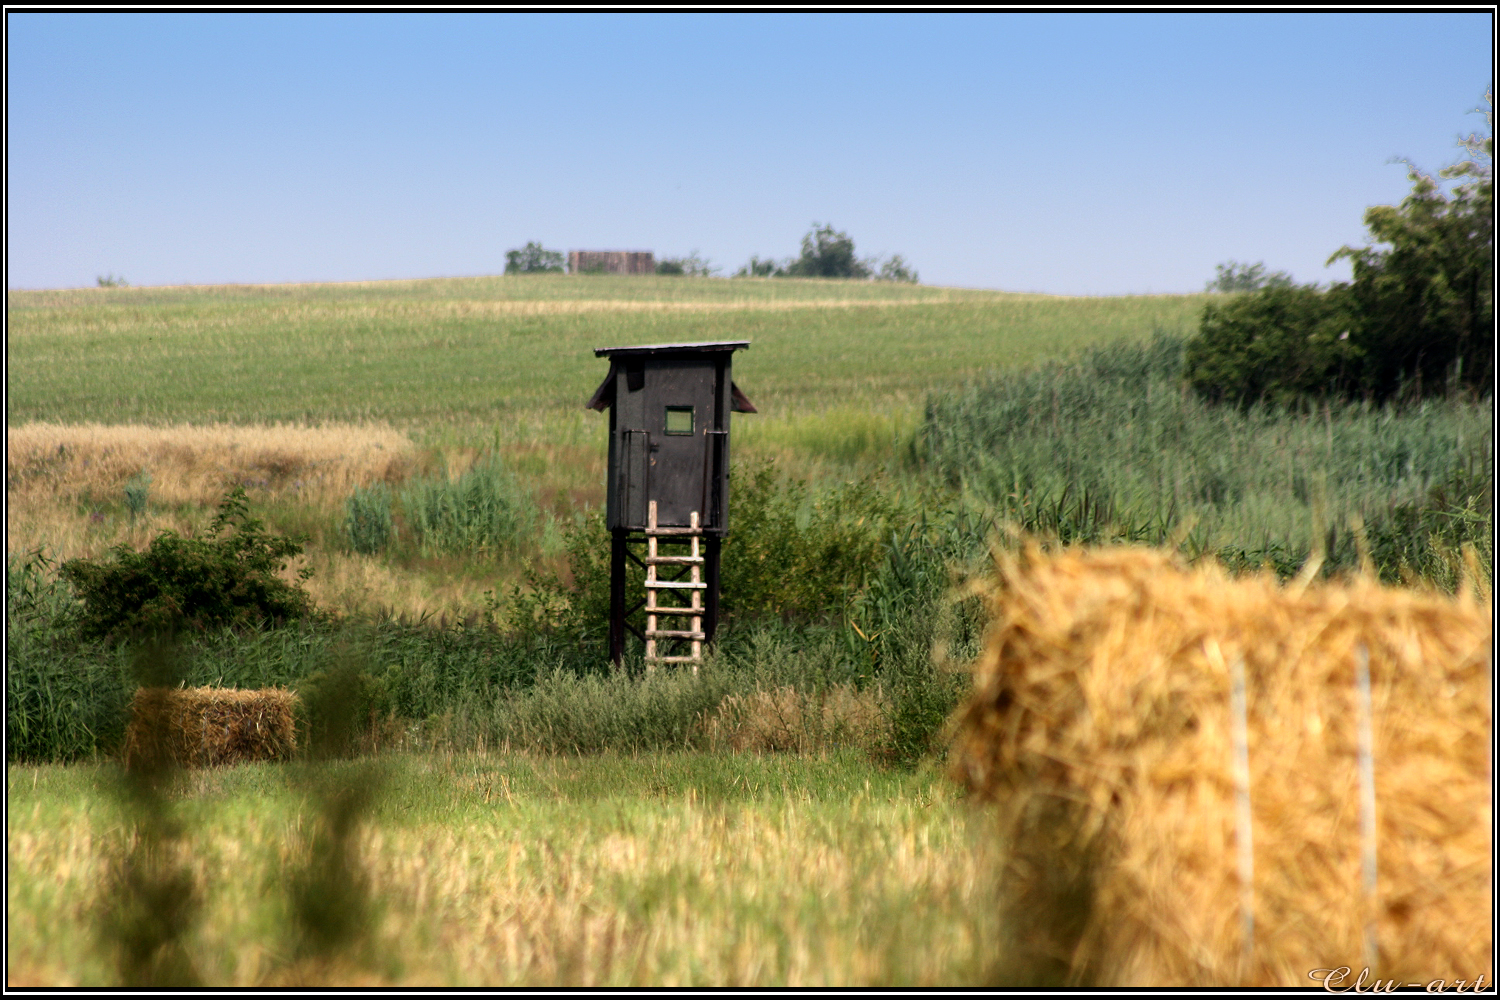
{"x": 485, "y": 510}
{"x": 1418, "y": 318}
{"x": 758, "y": 268}
{"x": 895, "y": 268}
{"x": 191, "y": 583}
{"x": 792, "y": 553}
{"x": 367, "y": 522}
{"x": 1232, "y": 276}
{"x": 828, "y": 253}
{"x": 797, "y": 554}
{"x": 691, "y": 266}
{"x": 533, "y": 258}
{"x": 1277, "y": 344}
{"x": 1424, "y": 284}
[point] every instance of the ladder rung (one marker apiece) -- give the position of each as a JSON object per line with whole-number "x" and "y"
{"x": 674, "y": 585}
{"x": 672, "y": 560}
{"x": 661, "y": 633}
{"x": 676, "y": 611}
{"x": 666, "y": 532}
{"x": 675, "y": 659}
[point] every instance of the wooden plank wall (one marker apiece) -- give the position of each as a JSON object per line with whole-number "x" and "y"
{"x": 612, "y": 261}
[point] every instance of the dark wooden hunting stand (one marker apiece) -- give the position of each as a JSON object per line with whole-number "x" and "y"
{"x": 668, "y": 488}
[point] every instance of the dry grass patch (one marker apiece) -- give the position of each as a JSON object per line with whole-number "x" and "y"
{"x": 195, "y": 464}
{"x": 65, "y": 484}
{"x": 788, "y": 720}
{"x": 367, "y": 585}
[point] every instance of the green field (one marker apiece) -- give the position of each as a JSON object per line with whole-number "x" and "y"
{"x": 516, "y": 352}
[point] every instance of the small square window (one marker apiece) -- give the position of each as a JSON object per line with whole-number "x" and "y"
{"x": 679, "y": 420}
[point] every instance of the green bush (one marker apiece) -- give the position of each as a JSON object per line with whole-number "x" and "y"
{"x": 1232, "y": 276}
{"x": 1424, "y": 284}
{"x": 486, "y": 510}
{"x": 533, "y": 258}
{"x": 800, "y": 554}
{"x": 1417, "y": 320}
{"x": 191, "y": 583}
{"x": 827, "y": 253}
{"x": 767, "y": 268}
{"x": 691, "y": 266}
{"x": 896, "y": 269}
{"x": 793, "y": 553}
{"x": 367, "y": 522}
{"x": 1278, "y": 344}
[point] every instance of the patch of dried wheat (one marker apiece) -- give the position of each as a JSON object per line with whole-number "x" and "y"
{"x": 48, "y": 463}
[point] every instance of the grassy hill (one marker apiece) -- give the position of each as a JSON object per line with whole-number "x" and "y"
{"x": 517, "y": 351}
{"x": 404, "y": 382}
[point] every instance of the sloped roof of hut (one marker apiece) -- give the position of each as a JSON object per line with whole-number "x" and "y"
{"x": 604, "y": 396}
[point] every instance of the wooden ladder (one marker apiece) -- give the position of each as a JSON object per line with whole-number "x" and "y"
{"x": 692, "y": 589}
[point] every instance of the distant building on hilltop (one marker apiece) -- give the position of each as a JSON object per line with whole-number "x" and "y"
{"x": 611, "y": 262}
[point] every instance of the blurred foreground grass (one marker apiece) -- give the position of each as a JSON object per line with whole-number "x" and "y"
{"x": 663, "y": 869}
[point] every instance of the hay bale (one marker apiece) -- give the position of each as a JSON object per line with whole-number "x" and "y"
{"x": 205, "y": 727}
{"x": 1102, "y": 725}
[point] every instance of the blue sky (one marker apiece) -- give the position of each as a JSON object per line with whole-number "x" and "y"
{"x": 1065, "y": 153}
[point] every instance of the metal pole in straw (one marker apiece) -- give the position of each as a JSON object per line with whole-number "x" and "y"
{"x": 1367, "y": 799}
{"x": 1242, "y": 808}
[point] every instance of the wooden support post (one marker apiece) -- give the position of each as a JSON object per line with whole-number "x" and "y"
{"x": 711, "y": 574}
{"x": 650, "y": 587}
{"x": 697, "y": 595}
{"x": 617, "y": 596}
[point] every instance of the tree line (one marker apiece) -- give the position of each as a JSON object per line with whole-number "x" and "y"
{"x": 826, "y": 253}
{"x": 1416, "y": 320}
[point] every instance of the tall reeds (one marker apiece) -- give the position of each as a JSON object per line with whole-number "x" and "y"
{"x": 1113, "y": 446}
{"x": 485, "y": 511}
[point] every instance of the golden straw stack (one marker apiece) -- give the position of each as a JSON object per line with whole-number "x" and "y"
{"x": 1103, "y": 725}
{"x": 205, "y": 727}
